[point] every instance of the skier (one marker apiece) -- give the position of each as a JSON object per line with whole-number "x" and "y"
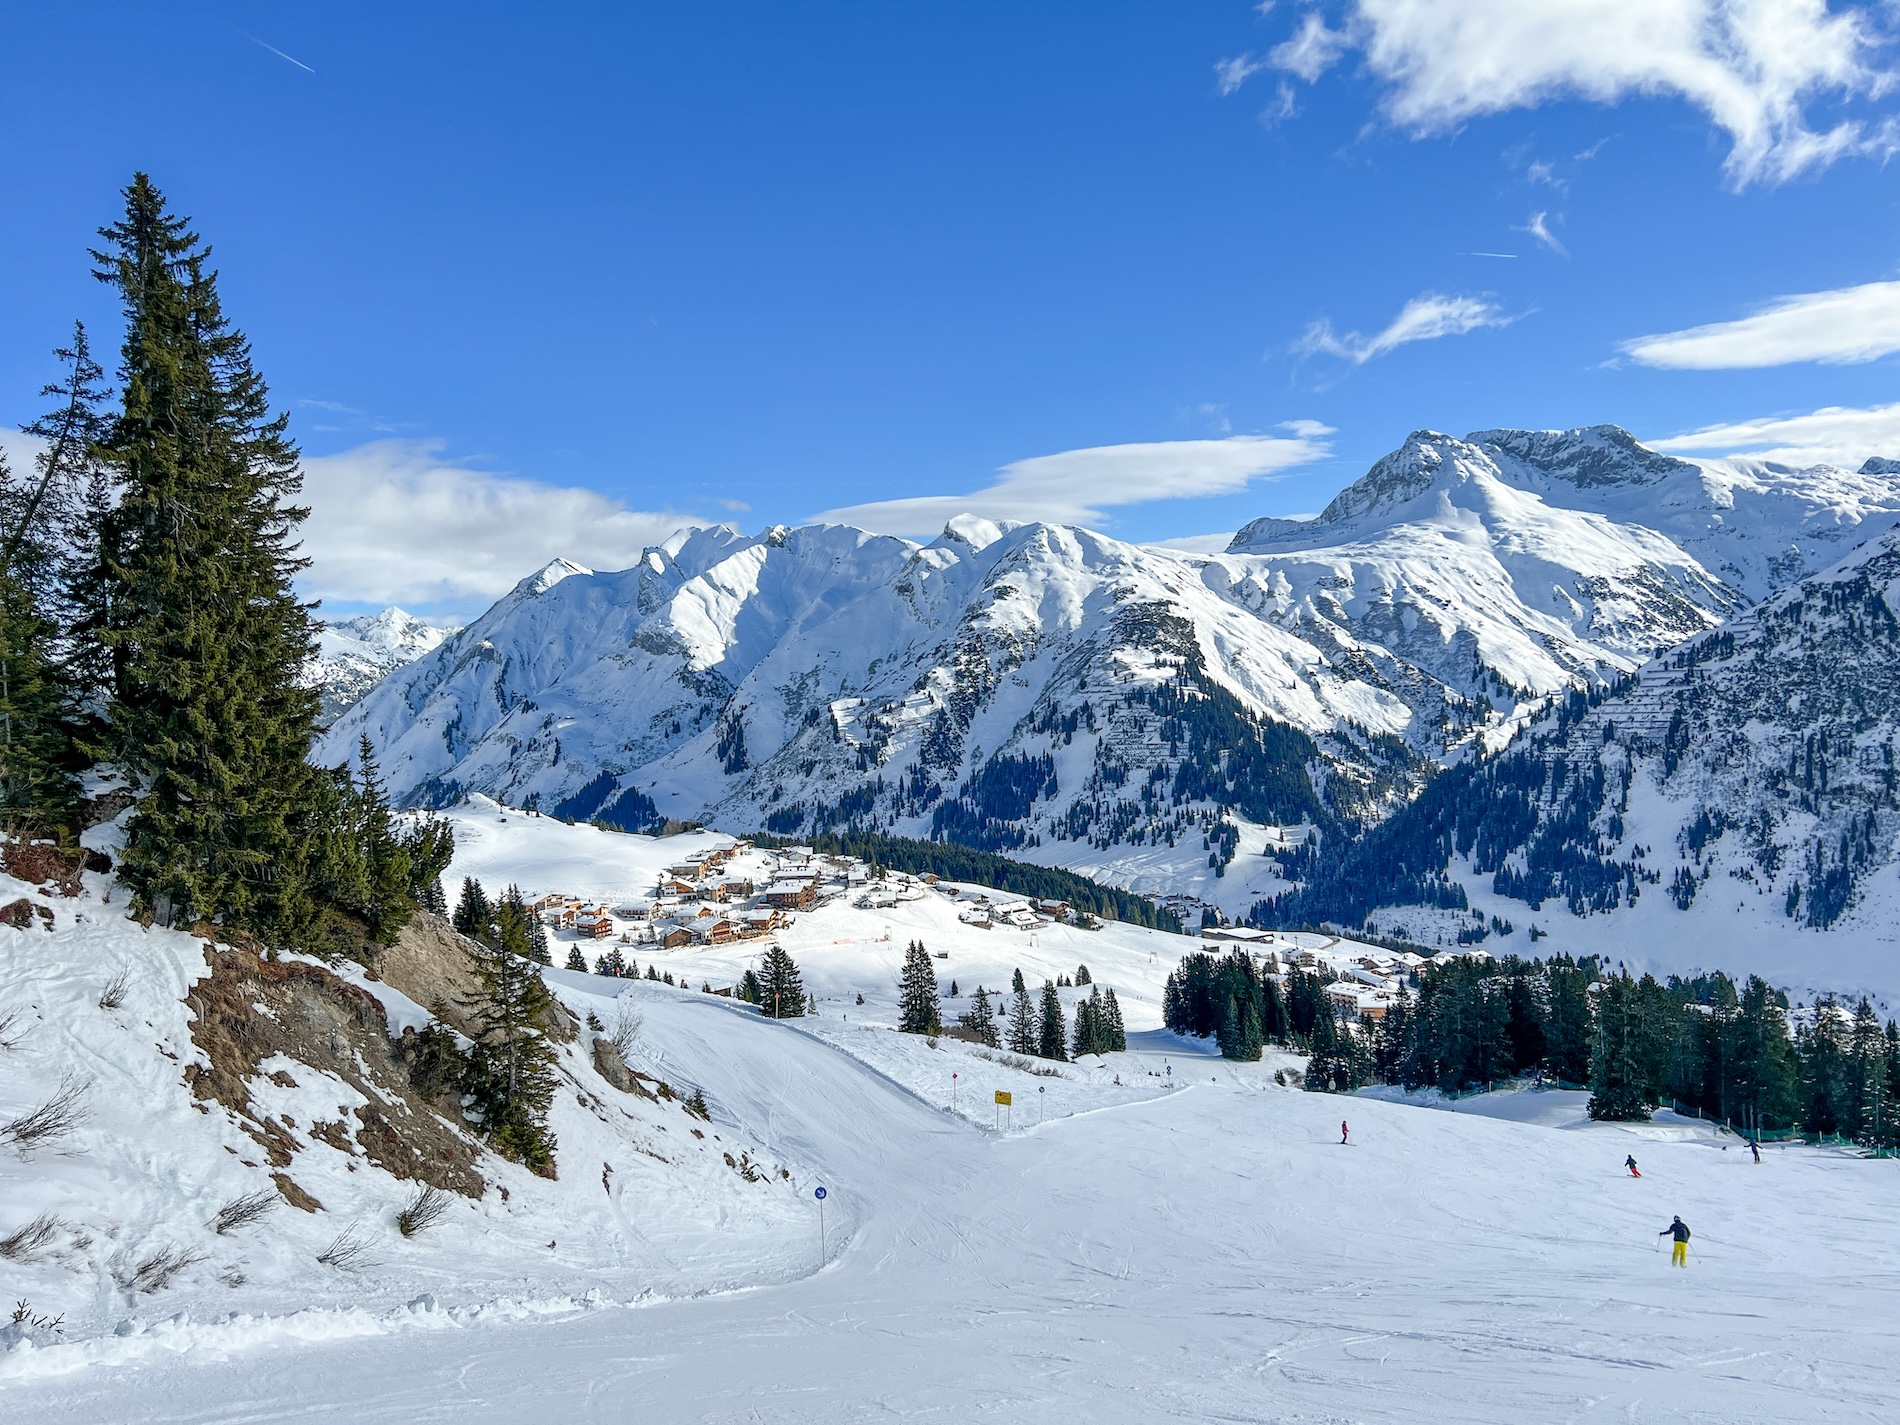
{"x": 1679, "y": 1256}
{"x": 1345, "y": 1133}
{"x": 1755, "y": 1148}
{"x": 1630, "y": 1163}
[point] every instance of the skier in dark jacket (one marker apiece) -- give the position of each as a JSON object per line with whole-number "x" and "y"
{"x": 1630, "y": 1163}
{"x": 1679, "y": 1256}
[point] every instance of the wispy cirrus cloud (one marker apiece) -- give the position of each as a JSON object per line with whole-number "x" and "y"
{"x": 1427, "y": 317}
{"x": 1079, "y": 486}
{"x": 1754, "y": 67}
{"x": 1833, "y": 435}
{"x": 1843, "y": 326}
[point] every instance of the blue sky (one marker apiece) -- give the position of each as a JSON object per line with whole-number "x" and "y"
{"x": 553, "y": 279}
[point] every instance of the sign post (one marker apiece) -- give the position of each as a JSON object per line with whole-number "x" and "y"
{"x": 1003, "y": 1101}
{"x": 1039, "y": 1103}
{"x": 819, "y": 1193}
{"x": 953, "y": 1092}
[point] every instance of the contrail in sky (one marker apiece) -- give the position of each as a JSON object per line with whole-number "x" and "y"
{"x": 276, "y": 51}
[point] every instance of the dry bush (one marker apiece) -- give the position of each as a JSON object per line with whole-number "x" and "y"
{"x": 30, "y": 1239}
{"x": 626, "y": 1031}
{"x": 349, "y": 1252}
{"x": 156, "y": 1271}
{"x": 23, "y": 1316}
{"x": 422, "y": 1211}
{"x": 12, "y": 1032}
{"x": 53, "y": 1120}
{"x": 113, "y": 995}
{"x": 243, "y": 1211}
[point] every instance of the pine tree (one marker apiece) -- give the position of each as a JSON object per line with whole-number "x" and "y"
{"x": 1117, "y": 1035}
{"x": 1051, "y": 1035}
{"x": 207, "y": 637}
{"x": 781, "y": 990}
{"x": 1339, "y": 1062}
{"x": 917, "y": 1008}
{"x": 1016, "y": 983}
{"x": 1023, "y": 1032}
{"x": 1870, "y": 1090}
{"x": 471, "y": 911}
{"x": 43, "y": 722}
{"x": 576, "y": 960}
{"x": 613, "y": 964}
{"x": 749, "y": 988}
{"x": 1618, "y": 1073}
{"x": 432, "y": 898}
{"x": 511, "y": 1074}
{"x": 1082, "y": 975}
{"x": 979, "y": 1022}
{"x": 387, "y": 855}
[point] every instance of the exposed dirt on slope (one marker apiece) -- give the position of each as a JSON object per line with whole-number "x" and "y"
{"x": 250, "y": 1008}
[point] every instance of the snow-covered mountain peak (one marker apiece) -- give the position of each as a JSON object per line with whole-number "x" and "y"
{"x": 354, "y": 653}
{"x": 548, "y": 575}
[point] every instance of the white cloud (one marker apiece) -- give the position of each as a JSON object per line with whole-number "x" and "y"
{"x": 1753, "y": 66}
{"x": 1849, "y": 324}
{"x": 1230, "y": 74}
{"x": 1076, "y": 486}
{"x": 1426, "y": 317}
{"x": 1833, "y": 435}
{"x": 1313, "y": 50}
{"x": 392, "y": 522}
{"x": 1540, "y": 230}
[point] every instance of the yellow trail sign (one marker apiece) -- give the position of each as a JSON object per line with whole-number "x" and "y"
{"x": 1002, "y": 1096}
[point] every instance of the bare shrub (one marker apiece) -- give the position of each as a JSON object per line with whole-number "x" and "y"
{"x": 156, "y": 1271}
{"x": 349, "y": 1252}
{"x": 626, "y": 1031}
{"x": 30, "y": 1239}
{"x": 243, "y": 1211}
{"x": 53, "y": 1120}
{"x": 12, "y": 1032}
{"x": 422, "y": 1211}
{"x": 113, "y": 995}
{"x": 23, "y": 1316}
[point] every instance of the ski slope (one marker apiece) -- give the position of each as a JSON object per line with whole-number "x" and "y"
{"x": 1204, "y": 1253}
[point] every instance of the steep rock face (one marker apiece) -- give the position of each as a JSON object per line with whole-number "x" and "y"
{"x": 353, "y": 654}
{"x": 1019, "y": 687}
{"x": 1741, "y": 789}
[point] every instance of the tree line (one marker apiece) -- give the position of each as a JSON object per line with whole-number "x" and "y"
{"x": 1700, "y": 1043}
{"x": 150, "y": 631}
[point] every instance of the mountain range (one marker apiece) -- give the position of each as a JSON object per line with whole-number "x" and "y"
{"x": 354, "y": 654}
{"x": 1175, "y": 722}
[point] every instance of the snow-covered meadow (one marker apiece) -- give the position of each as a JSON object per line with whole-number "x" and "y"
{"x": 1190, "y": 1245}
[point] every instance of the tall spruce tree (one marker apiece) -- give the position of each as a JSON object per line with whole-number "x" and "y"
{"x": 1117, "y": 1034}
{"x": 781, "y": 989}
{"x": 511, "y": 1074}
{"x": 1051, "y": 1033}
{"x": 1024, "y": 1034}
{"x": 471, "y": 911}
{"x": 207, "y": 638}
{"x": 576, "y": 960}
{"x": 45, "y": 724}
{"x": 918, "y": 1011}
{"x": 1620, "y": 1049}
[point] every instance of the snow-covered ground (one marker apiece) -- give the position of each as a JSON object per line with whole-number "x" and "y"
{"x": 1191, "y": 1245}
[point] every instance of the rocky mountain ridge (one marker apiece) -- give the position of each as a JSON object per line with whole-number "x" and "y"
{"x": 1059, "y": 694}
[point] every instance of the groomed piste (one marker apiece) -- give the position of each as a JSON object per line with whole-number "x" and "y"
{"x": 1178, "y": 1237}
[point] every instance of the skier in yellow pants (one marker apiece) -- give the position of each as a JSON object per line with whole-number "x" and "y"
{"x": 1680, "y": 1231}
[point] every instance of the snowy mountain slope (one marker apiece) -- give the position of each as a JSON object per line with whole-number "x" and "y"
{"x": 354, "y": 653}
{"x": 1736, "y": 799}
{"x": 1041, "y": 689}
{"x": 320, "y": 1135}
{"x": 1132, "y": 1244}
